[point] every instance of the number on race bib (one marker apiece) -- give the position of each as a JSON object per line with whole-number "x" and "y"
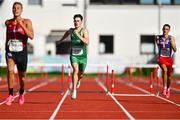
{"x": 15, "y": 45}
{"x": 165, "y": 52}
{"x": 77, "y": 51}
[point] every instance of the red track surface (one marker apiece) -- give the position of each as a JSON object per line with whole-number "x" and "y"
{"x": 91, "y": 102}
{"x": 151, "y": 107}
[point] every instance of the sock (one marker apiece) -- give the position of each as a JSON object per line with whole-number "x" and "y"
{"x": 11, "y": 91}
{"x": 168, "y": 89}
{"x": 21, "y": 91}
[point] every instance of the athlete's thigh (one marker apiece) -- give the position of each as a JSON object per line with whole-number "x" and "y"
{"x": 10, "y": 63}
{"x": 73, "y": 59}
{"x": 75, "y": 67}
{"x": 82, "y": 64}
{"x": 21, "y": 59}
{"x": 163, "y": 67}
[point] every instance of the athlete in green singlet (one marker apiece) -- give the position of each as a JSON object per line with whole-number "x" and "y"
{"x": 78, "y": 54}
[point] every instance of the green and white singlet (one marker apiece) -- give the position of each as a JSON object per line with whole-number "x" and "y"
{"x": 78, "y": 51}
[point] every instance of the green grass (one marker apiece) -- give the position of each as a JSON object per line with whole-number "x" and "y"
{"x": 2, "y": 71}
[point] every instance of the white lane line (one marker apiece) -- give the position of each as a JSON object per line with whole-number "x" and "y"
{"x": 138, "y": 88}
{"x": 59, "y": 106}
{"x": 133, "y": 95}
{"x": 168, "y": 101}
{"x": 37, "y": 86}
{"x": 31, "y": 89}
{"x": 116, "y": 101}
{"x": 5, "y": 100}
{"x": 143, "y": 90}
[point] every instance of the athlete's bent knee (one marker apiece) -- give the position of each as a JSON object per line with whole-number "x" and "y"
{"x": 165, "y": 71}
{"x": 75, "y": 71}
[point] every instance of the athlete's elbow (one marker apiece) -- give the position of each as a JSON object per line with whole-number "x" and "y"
{"x": 87, "y": 41}
{"x": 31, "y": 36}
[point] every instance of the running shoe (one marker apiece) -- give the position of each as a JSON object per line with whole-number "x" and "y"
{"x": 168, "y": 93}
{"x": 74, "y": 94}
{"x": 21, "y": 99}
{"x": 9, "y": 100}
{"x": 164, "y": 91}
{"x": 78, "y": 84}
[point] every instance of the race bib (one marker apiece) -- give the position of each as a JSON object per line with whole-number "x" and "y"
{"x": 77, "y": 51}
{"x": 165, "y": 52}
{"x": 15, "y": 45}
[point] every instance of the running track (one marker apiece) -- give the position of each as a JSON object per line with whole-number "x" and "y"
{"x": 44, "y": 101}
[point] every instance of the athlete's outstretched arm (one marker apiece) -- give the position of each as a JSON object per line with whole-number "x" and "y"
{"x": 173, "y": 44}
{"x": 66, "y": 34}
{"x": 27, "y": 27}
{"x": 85, "y": 37}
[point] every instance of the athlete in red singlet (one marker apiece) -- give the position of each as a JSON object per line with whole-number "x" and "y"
{"x": 166, "y": 47}
{"x": 17, "y": 33}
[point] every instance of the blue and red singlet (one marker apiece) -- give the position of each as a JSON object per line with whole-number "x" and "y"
{"x": 165, "y": 52}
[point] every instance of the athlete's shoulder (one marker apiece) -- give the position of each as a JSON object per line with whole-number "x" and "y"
{"x": 71, "y": 30}
{"x": 84, "y": 30}
{"x": 8, "y": 21}
{"x": 171, "y": 37}
{"x": 27, "y": 21}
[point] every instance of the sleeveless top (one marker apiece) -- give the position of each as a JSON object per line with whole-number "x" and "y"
{"x": 16, "y": 37}
{"x": 78, "y": 47}
{"x": 164, "y": 46}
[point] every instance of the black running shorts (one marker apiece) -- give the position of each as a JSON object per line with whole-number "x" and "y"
{"x": 20, "y": 59}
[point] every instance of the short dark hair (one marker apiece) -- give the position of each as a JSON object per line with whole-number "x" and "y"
{"x": 79, "y": 16}
{"x": 166, "y": 25}
{"x": 18, "y": 3}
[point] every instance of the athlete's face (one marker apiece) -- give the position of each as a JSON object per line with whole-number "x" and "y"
{"x": 77, "y": 22}
{"x": 17, "y": 10}
{"x": 166, "y": 30}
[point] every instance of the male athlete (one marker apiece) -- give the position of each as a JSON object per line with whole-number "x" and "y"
{"x": 78, "y": 54}
{"x": 18, "y": 31}
{"x": 166, "y": 48}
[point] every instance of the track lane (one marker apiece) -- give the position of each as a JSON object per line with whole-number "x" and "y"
{"x": 141, "y": 107}
{"x": 91, "y": 103}
{"x": 39, "y": 103}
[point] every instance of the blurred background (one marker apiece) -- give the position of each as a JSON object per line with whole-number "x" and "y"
{"x": 121, "y": 32}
